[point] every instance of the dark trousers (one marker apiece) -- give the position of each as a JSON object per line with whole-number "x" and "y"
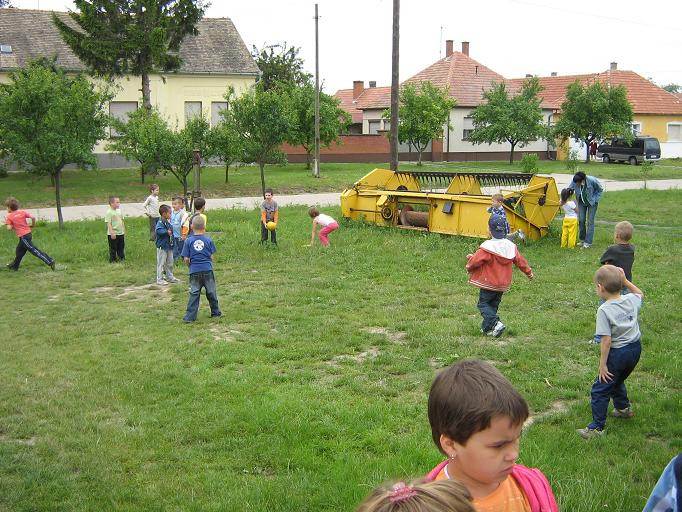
{"x": 264, "y": 234}
{"x": 178, "y": 244}
{"x": 197, "y": 281}
{"x": 26, "y": 245}
{"x": 488, "y": 302}
{"x": 621, "y": 362}
{"x": 152, "y": 228}
{"x": 117, "y": 248}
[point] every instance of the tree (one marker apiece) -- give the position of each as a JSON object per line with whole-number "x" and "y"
{"x": 280, "y": 65}
{"x": 333, "y": 119}
{"x": 138, "y": 37}
{"x": 225, "y": 141}
{"x": 673, "y": 88}
{"x": 516, "y": 119}
{"x": 49, "y": 120}
{"x": 423, "y": 112}
{"x": 263, "y": 119}
{"x": 594, "y": 112}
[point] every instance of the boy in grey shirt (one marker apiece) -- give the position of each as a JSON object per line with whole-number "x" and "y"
{"x": 620, "y": 347}
{"x": 269, "y": 213}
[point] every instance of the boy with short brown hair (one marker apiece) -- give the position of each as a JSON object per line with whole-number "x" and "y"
{"x": 116, "y": 230}
{"x": 21, "y": 221}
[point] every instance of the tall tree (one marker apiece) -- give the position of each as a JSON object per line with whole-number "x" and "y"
{"x": 263, "y": 119}
{"x": 673, "y": 88}
{"x": 333, "y": 119}
{"x": 594, "y": 112}
{"x": 423, "y": 112}
{"x": 279, "y": 65}
{"x": 224, "y": 139}
{"x": 516, "y": 119}
{"x": 138, "y": 37}
{"x": 49, "y": 119}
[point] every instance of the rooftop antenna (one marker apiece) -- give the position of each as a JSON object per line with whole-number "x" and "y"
{"x": 440, "y": 44}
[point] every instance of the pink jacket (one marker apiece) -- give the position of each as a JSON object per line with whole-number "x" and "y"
{"x": 532, "y": 482}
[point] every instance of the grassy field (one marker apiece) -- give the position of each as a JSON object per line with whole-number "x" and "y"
{"x": 94, "y": 187}
{"x": 311, "y": 389}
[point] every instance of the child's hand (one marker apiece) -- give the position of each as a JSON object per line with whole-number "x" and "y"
{"x": 469, "y": 256}
{"x": 622, "y": 275}
{"x": 113, "y": 236}
{"x": 531, "y": 276}
{"x": 604, "y": 374}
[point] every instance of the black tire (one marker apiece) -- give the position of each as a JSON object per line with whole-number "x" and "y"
{"x": 632, "y": 160}
{"x": 605, "y": 159}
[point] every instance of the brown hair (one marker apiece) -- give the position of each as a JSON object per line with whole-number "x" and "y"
{"x": 152, "y": 187}
{"x": 498, "y": 197}
{"x": 164, "y": 208}
{"x": 437, "y": 496}
{"x": 268, "y": 191}
{"x": 12, "y": 204}
{"x": 623, "y": 231}
{"x": 609, "y": 277}
{"x": 111, "y": 199}
{"x": 465, "y": 398}
{"x": 313, "y": 212}
{"x": 199, "y": 203}
{"x": 179, "y": 198}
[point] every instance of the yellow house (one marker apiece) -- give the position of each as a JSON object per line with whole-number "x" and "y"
{"x": 211, "y": 61}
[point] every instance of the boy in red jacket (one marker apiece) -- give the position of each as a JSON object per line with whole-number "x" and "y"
{"x": 490, "y": 269}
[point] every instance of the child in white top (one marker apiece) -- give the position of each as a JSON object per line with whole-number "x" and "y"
{"x": 569, "y": 227}
{"x": 151, "y": 210}
{"x": 327, "y": 223}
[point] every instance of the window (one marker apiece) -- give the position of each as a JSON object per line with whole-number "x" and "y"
{"x": 636, "y": 128}
{"x": 387, "y": 126}
{"x": 374, "y": 125}
{"x": 120, "y": 110}
{"x": 468, "y": 128}
{"x": 216, "y": 107}
{"x": 192, "y": 110}
{"x": 675, "y": 132}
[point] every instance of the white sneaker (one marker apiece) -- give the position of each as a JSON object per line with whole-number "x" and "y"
{"x": 497, "y": 331}
{"x": 521, "y": 234}
{"x": 161, "y": 282}
{"x": 586, "y": 245}
{"x": 173, "y": 280}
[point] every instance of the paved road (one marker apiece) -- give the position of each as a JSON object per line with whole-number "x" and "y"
{"x": 325, "y": 199}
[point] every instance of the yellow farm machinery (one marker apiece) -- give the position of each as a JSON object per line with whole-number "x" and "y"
{"x": 452, "y": 203}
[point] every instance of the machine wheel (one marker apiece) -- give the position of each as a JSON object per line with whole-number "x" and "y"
{"x": 605, "y": 159}
{"x": 387, "y": 213}
{"x": 632, "y": 160}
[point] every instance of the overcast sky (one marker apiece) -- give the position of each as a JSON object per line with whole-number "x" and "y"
{"x": 512, "y": 37}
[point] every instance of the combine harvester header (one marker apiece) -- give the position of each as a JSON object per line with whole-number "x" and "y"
{"x": 452, "y": 203}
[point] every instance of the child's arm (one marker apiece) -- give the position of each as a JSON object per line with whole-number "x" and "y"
{"x": 476, "y": 260}
{"x": 111, "y": 231}
{"x": 627, "y": 284}
{"x": 605, "y": 346}
{"x": 186, "y": 259}
{"x": 522, "y": 264}
{"x": 263, "y": 215}
{"x": 145, "y": 204}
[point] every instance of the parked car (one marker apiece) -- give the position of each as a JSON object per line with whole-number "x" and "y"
{"x": 635, "y": 152}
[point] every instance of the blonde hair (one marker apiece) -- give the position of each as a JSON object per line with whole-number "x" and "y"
{"x": 497, "y": 197}
{"x": 623, "y": 231}
{"x": 437, "y": 496}
{"x": 609, "y": 277}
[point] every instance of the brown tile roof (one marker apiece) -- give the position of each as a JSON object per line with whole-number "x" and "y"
{"x": 644, "y": 96}
{"x": 374, "y": 97}
{"x": 345, "y": 96}
{"x": 218, "y": 48}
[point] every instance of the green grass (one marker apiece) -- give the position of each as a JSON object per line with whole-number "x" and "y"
{"x": 94, "y": 187}
{"x": 311, "y": 389}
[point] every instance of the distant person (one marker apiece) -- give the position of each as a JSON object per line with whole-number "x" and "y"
{"x": 620, "y": 347}
{"x": 269, "y": 212}
{"x": 588, "y": 191}
{"x": 476, "y": 419}
{"x": 326, "y": 223}
{"x": 198, "y": 252}
{"x": 151, "y": 209}
{"x": 593, "y": 149}
{"x": 497, "y": 208}
{"x": 177, "y": 219}
{"x": 21, "y": 221}
{"x": 116, "y": 230}
{"x": 164, "y": 248}
{"x": 440, "y": 496}
{"x": 490, "y": 270}
{"x": 569, "y": 226}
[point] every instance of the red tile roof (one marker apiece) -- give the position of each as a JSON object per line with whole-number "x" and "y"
{"x": 644, "y": 96}
{"x": 345, "y": 96}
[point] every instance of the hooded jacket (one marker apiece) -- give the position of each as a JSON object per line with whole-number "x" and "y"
{"x": 490, "y": 267}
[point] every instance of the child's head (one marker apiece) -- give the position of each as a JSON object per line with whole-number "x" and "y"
{"x": 154, "y": 189}
{"x": 438, "y": 496}
{"x": 496, "y": 200}
{"x": 268, "y": 194}
{"x": 476, "y": 418}
{"x": 497, "y": 226}
{"x": 165, "y": 211}
{"x": 565, "y": 194}
{"x": 313, "y": 212}
{"x": 178, "y": 203}
{"x": 199, "y": 204}
{"x": 608, "y": 280}
{"x": 114, "y": 202}
{"x": 11, "y": 204}
{"x": 198, "y": 224}
{"x": 623, "y": 232}
{"x": 579, "y": 178}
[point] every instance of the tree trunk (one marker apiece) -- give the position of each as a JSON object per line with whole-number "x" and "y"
{"x": 587, "y": 151}
{"x": 142, "y": 173}
{"x": 307, "y": 159}
{"x": 52, "y": 180}
{"x": 184, "y": 192}
{"x": 146, "y": 93}
{"x": 58, "y": 190}
{"x": 227, "y": 173}
{"x": 395, "y": 84}
{"x": 262, "y": 177}
{"x": 511, "y": 153}
{"x": 419, "y": 161}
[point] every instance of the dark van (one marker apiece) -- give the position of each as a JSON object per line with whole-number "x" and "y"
{"x": 640, "y": 149}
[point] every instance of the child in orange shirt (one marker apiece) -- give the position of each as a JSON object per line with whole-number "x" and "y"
{"x": 476, "y": 418}
{"x": 21, "y": 221}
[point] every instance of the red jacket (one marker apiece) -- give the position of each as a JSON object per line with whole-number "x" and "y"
{"x": 490, "y": 267}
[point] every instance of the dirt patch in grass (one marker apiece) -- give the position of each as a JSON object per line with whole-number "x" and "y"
{"x": 555, "y": 408}
{"x": 370, "y": 353}
{"x": 223, "y": 333}
{"x": 138, "y": 293}
{"x": 28, "y": 441}
{"x": 396, "y": 337}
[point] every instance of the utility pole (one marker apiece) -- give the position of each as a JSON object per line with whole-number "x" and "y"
{"x": 395, "y": 86}
{"x": 316, "y": 159}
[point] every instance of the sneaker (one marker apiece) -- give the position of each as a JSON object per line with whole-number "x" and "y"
{"x": 521, "y": 234}
{"x": 11, "y": 267}
{"x": 52, "y": 265}
{"x": 586, "y": 245}
{"x": 161, "y": 282}
{"x": 588, "y": 433}
{"x": 622, "y": 413}
{"x": 497, "y": 330}
{"x": 216, "y": 315}
{"x": 173, "y": 280}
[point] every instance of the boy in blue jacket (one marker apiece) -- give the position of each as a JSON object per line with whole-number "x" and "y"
{"x": 164, "y": 247}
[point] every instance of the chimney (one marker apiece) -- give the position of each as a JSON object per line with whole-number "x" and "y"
{"x": 528, "y": 75}
{"x": 553, "y": 73}
{"x": 358, "y": 87}
{"x": 614, "y": 66}
{"x": 465, "y": 48}
{"x": 372, "y": 84}
{"x": 448, "y": 47}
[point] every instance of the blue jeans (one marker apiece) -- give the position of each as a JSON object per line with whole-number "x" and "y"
{"x": 620, "y": 363}
{"x": 488, "y": 302}
{"x": 586, "y": 233}
{"x": 178, "y": 244}
{"x": 197, "y": 281}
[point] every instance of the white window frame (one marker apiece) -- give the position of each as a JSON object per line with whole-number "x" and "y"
{"x": 112, "y": 131}
{"x": 467, "y": 127}
{"x": 191, "y": 115}
{"x": 636, "y": 128}
{"x": 678, "y": 124}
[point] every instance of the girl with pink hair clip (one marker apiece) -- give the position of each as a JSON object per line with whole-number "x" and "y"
{"x": 436, "y": 496}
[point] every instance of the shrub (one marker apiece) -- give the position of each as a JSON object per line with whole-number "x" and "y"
{"x": 3, "y": 172}
{"x": 645, "y": 169}
{"x": 529, "y": 163}
{"x": 572, "y": 161}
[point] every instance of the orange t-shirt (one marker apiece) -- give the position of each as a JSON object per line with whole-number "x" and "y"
{"x": 17, "y": 220}
{"x": 508, "y": 497}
